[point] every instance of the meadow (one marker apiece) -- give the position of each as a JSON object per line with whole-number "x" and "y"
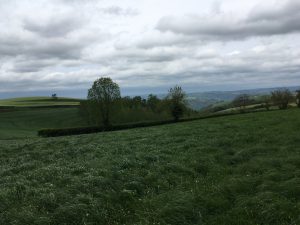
{"x": 23, "y": 117}
{"x": 234, "y": 170}
{"x": 25, "y": 122}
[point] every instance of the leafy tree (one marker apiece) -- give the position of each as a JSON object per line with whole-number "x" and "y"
{"x": 138, "y": 102}
{"x": 177, "y": 102}
{"x": 105, "y": 93}
{"x": 54, "y": 96}
{"x": 298, "y": 98}
{"x": 242, "y": 101}
{"x": 281, "y": 98}
{"x": 153, "y": 102}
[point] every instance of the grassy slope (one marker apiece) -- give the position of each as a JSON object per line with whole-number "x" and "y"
{"x": 237, "y": 170}
{"x": 38, "y": 101}
{"x": 26, "y": 123}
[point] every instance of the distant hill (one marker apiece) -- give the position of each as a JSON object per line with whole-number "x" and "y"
{"x": 38, "y": 102}
{"x": 200, "y": 100}
{"x": 196, "y": 100}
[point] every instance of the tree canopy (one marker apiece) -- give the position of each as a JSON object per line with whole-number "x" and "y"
{"x": 176, "y": 97}
{"x": 105, "y": 92}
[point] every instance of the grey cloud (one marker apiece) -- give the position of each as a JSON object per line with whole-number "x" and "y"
{"x": 164, "y": 40}
{"x": 53, "y": 27}
{"x": 62, "y": 49}
{"x": 289, "y": 10}
{"x": 268, "y": 22}
{"x": 57, "y": 49}
{"x": 10, "y": 46}
{"x": 26, "y": 65}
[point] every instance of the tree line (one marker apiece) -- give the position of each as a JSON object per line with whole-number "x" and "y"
{"x": 105, "y": 106}
{"x": 280, "y": 98}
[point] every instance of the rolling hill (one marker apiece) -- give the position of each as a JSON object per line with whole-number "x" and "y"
{"x": 200, "y": 100}
{"x": 23, "y": 117}
{"x": 26, "y": 122}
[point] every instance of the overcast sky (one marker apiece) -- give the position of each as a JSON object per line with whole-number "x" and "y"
{"x": 148, "y": 45}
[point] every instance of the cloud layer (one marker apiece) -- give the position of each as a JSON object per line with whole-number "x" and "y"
{"x": 66, "y": 44}
{"x": 266, "y": 21}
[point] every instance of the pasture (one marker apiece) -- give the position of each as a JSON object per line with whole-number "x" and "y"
{"x": 23, "y": 117}
{"x": 235, "y": 170}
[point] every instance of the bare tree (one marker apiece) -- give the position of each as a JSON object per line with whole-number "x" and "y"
{"x": 282, "y": 98}
{"x": 242, "y": 101}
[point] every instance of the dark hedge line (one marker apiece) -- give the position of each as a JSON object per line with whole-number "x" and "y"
{"x": 68, "y": 131}
{"x": 97, "y": 129}
{"x": 50, "y": 106}
{"x": 89, "y": 130}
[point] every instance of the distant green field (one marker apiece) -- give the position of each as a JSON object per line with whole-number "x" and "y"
{"x": 26, "y": 122}
{"x": 235, "y": 170}
{"x": 38, "y": 102}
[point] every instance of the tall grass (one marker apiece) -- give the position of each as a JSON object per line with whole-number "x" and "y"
{"x": 236, "y": 170}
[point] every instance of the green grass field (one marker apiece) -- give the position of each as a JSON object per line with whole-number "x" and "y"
{"x": 23, "y": 117}
{"x": 235, "y": 170}
{"x": 25, "y": 123}
{"x": 38, "y": 102}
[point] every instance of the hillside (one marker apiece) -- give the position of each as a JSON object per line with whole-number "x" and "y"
{"x": 26, "y": 122}
{"x": 23, "y": 117}
{"x": 199, "y": 100}
{"x": 236, "y": 170}
{"x": 38, "y": 102}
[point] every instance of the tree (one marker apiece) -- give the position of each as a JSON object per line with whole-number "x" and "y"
{"x": 105, "y": 93}
{"x": 298, "y": 98}
{"x": 152, "y": 102}
{"x": 281, "y": 98}
{"x": 177, "y": 102}
{"x": 54, "y": 96}
{"x": 138, "y": 102}
{"x": 242, "y": 101}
